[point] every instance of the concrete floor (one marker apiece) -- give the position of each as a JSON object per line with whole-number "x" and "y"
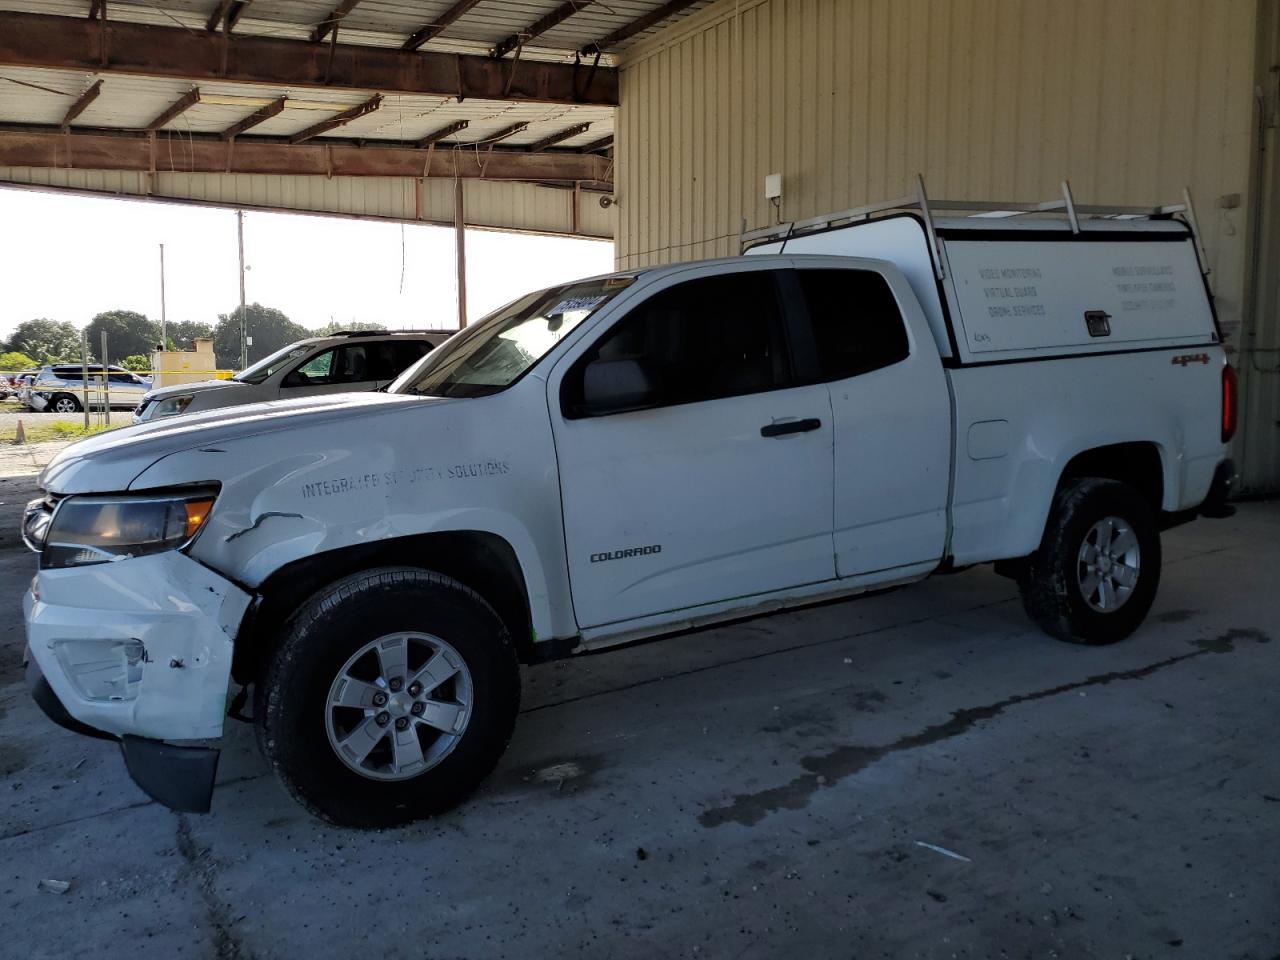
{"x": 760, "y": 790}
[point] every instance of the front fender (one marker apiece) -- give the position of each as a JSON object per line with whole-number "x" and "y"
{"x": 274, "y": 539}
{"x": 295, "y": 494}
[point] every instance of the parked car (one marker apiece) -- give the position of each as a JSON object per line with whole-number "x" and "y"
{"x": 341, "y": 363}
{"x": 60, "y": 388}
{"x": 20, "y": 386}
{"x": 623, "y": 457}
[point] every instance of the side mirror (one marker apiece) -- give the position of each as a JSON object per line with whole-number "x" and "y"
{"x": 609, "y": 386}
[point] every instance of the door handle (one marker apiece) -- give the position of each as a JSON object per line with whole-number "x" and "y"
{"x": 790, "y": 426}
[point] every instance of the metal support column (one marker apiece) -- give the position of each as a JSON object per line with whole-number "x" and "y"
{"x": 84, "y": 374}
{"x": 459, "y": 232}
{"x": 164, "y": 342}
{"x": 244, "y": 318}
{"x": 106, "y": 387}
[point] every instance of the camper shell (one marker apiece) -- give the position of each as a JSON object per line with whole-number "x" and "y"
{"x": 1011, "y": 281}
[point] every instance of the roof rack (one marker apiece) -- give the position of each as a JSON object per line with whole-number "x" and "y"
{"x": 986, "y": 209}
{"x": 380, "y": 333}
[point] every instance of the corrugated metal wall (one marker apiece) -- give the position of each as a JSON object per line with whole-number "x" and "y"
{"x": 1259, "y": 341}
{"x": 501, "y": 205}
{"x": 999, "y": 99}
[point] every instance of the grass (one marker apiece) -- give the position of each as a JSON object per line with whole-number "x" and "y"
{"x": 58, "y": 430}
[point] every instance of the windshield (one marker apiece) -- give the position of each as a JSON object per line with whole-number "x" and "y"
{"x": 492, "y": 354}
{"x": 272, "y": 364}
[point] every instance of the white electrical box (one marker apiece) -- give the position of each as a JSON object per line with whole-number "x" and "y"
{"x": 773, "y": 186}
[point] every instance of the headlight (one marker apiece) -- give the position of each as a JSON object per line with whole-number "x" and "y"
{"x": 171, "y": 406}
{"x": 88, "y": 530}
{"x": 35, "y": 523}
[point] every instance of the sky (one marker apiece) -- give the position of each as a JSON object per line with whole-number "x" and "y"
{"x": 69, "y": 257}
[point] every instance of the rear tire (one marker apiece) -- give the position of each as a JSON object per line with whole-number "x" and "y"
{"x": 1097, "y": 570}
{"x": 349, "y": 710}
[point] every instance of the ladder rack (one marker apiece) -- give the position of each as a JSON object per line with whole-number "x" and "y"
{"x": 987, "y": 209}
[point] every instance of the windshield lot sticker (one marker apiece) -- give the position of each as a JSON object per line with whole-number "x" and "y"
{"x": 391, "y": 478}
{"x": 575, "y": 304}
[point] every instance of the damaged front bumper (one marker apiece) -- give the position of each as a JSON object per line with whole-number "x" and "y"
{"x": 139, "y": 650}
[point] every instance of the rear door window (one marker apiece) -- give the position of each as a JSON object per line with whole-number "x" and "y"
{"x": 390, "y": 358}
{"x": 409, "y": 352}
{"x": 353, "y": 364}
{"x": 856, "y": 323}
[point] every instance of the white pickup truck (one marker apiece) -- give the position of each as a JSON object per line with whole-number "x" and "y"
{"x": 848, "y": 408}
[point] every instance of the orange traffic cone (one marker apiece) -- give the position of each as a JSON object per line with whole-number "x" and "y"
{"x": 20, "y": 436}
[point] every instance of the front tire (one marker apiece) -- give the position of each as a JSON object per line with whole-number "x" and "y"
{"x": 391, "y": 697}
{"x": 1095, "y": 576}
{"x": 64, "y": 403}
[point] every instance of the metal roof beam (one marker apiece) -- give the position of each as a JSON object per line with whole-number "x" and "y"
{"x": 502, "y": 134}
{"x": 559, "y": 137}
{"x": 331, "y": 22}
{"x": 74, "y": 43}
{"x": 436, "y": 136}
{"x": 226, "y": 15}
{"x": 346, "y": 116}
{"x": 595, "y": 146}
{"x": 185, "y": 153}
{"x": 177, "y": 108}
{"x": 253, "y": 119}
{"x": 81, "y": 103}
{"x": 552, "y": 19}
{"x": 640, "y": 24}
{"x": 441, "y": 24}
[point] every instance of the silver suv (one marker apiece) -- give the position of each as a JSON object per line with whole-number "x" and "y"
{"x": 60, "y": 388}
{"x": 341, "y": 363}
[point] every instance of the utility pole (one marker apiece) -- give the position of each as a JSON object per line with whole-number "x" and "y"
{"x": 244, "y": 318}
{"x": 164, "y": 338}
{"x": 459, "y": 231}
{"x": 106, "y": 386}
{"x": 84, "y": 374}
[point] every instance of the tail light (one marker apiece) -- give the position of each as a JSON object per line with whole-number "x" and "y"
{"x": 1230, "y": 402}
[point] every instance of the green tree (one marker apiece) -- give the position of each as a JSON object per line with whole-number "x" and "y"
{"x": 128, "y": 333}
{"x": 137, "y": 363}
{"x": 269, "y": 328}
{"x": 46, "y": 340}
{"x": 181, "y": 333}
{"x": 329, "y": 329}
{"x": 12, "y": 361}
